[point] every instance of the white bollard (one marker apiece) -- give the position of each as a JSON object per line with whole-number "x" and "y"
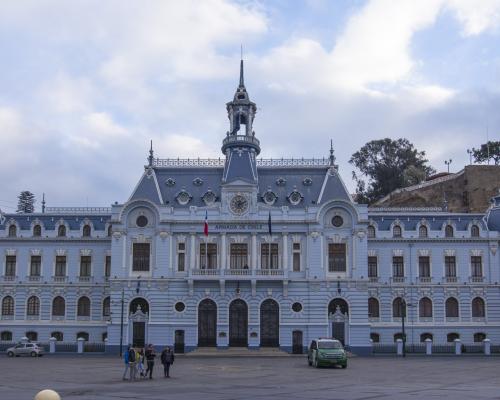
{"x": 52, "y": 345}
{"x": 458, "y": 347}
{"x": 80, "y": 342}
{"x": 487, "y": 347}
{"x": 399, "y": 346}
{"x": 47, "y": 394}
{"x": 428, "y": 346}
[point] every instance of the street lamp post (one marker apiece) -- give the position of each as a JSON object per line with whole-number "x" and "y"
{"x": 403, "y": 315}
{"x": 121, "y": 321}
{"x": 448, "y": 162}
{"x": 469, "y": 152}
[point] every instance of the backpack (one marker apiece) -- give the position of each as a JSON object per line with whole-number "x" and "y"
{"x": 131, "y": 355}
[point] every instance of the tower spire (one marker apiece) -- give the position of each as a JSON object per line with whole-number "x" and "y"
{"x": 242, "y": 80}
{"x": 332, "y": 157}
{"x": 43, "y": 202}
{"x": 151, "y": 156}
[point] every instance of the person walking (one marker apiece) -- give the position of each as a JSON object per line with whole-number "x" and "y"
{"x": 127, "y": 363}
{"x": 132, "y": 361}
{"x": 167, "y": 359}
{"x": 140, "y": 363}
{"x": 150, "y": 359}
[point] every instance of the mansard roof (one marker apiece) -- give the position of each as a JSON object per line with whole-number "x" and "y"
{"x": 51, "y": 220}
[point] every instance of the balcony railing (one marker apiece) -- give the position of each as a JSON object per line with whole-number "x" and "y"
{"x": 205, "y": 272}
{"x": 34, "y": 278}
{"x": 450, "y": 279}
{"x": 269, "y": 272}
{"x": 9, "y": 278}
{"x": 424, "y": 279}
{"x": 219, "y": 162}
{"x": 476, "y": 279}
{"x": 84, "y": 279}
{"x": 60, "y": 279}
{"x": 373, "y": 279}
{"x": 398, "y": 279}
{"x": 237, "y": 272}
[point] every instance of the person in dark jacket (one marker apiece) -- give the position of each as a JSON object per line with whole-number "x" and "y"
{"x": 167, "y": 359}
{"x": 150, "y": 359}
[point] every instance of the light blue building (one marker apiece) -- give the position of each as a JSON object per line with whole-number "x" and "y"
{"x": 289, "y": 256}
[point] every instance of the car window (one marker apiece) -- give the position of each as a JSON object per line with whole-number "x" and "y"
{"x": 29, "y": 345}
{"x": 18, "y": 346}
{"x": 330, "y": 344}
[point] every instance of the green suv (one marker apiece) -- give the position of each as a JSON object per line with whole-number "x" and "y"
{"x": 326, "y": 352}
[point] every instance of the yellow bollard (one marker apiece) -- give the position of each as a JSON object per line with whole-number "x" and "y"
{"x": 47, "y": 394}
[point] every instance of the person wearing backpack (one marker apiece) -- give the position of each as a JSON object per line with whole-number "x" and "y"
{"x": 167, "y": 359}
{"x": 132, "y": 362}
{"x": 150, "y": 359}
{"x": 127, "y": 363}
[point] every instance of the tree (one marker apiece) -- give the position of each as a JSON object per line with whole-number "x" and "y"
{"x": 26, "y": 202}
{"x": 386, "y": 165}
{"x": 487, "y": 151}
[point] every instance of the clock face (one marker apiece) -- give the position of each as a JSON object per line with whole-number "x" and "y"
{"x": 238, "y": 204}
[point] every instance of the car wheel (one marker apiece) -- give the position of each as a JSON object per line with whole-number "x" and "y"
{"x": 10, "y": 354}
{"x": 33, "y": 354}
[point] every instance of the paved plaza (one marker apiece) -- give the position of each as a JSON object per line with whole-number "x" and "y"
{"x": 99, "y": 378}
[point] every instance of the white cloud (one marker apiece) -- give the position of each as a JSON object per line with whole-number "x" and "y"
{"x": 476, "y": 16}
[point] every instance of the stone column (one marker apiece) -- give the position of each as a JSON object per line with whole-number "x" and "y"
{"x": 80, "y": 341}
{"x": 458, "y": 347}
{"x": 192, "y": 252}
{"x": 254, "y": 251}
{"x": 285, "y": 251}
{"x": 487, "y": 347}
{"x": 52, "y": 345}
{"x": 223, "y": 251}
{"x": 399, "y": 346}
{"x": 428, "y": 346}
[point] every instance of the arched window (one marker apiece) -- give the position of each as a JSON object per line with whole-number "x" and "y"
{"x": 422, "y": 231}
{"x": 59, "y": 336}
{"x": 83, "y": 307}
{"x": 61, "y": 231}
{"x": 425, "y": 307}
{"x": 371, "y": 231}
{"x": 398, "y": 308}
{"x": 32, "y": 336}
{"x": 340, "y": 303}
{"x": 451, "y": 306}
{"x": 139, "y": 301}
{"x": 474, "y": 231}
{"x": 373, "y": 308}
{"x": 84, "y": 335}
{"x": 37, "y": 231}
{"x": 448, "y": 231}
{"x": 33, "y": 306}
{"x": 106, "y": 307}
{"x": 8, "y": 306}
{"x": 58, "y": 307}
{"x": 396, "y": 231}
{"x": 375, "y": 337}
{"x": 478, "y": 309}
{"x": 6, "y": 336}
{"x": 12, "y": 230}
{"x": 110, "y": 230}
{"x": 397, "y": 336}
{"x": 425, "y": 336}
{"x": 86, "y": 231}
{"x": 450, "y": 337}
{"x": 479, "y": 337}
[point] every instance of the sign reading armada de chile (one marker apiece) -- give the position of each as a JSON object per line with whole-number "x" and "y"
{"x": 238, "y": 227}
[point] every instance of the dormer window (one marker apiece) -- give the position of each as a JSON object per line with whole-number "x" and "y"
{"x": 61, "y": 231}
{"x": 197, "y": 181}
{"x": 269, "y": 197}
{"x": 86, "y": 231}
{"x": 209, "y": 198}
{"x": 448, "y": 231}
{"x": 12, "y": 230}
{"x": 371, "y": 231}
{"x": 241, "y": 97}
{"x": 474, "y": 231}
{"x": 280, "y": 182}
{"x": 422, "y": 231}
{"x": 183, "y": 197}
{"x": 396, "y": 231}
{"x": 170, "y": 182}
{"x": 37, "y": 231}
{"x": 307, "y": 182}
{"x": 295, "y": 197}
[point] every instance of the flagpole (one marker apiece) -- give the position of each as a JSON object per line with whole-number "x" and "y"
{"x": 206, "y": 251}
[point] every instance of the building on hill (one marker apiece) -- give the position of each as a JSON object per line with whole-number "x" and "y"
{"x": 248, "y": 252}
{"x": 469, "y": 190}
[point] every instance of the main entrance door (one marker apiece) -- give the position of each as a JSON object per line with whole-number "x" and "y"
{"x": 269, "y": 323}
{"x": 338, "y": 310}
{"x": 139, "y": 334}
{"x": 297, "y": 342}
{"x": 179, "y": 341}
{"x": 238, "y": 324}
{"x": 207, "y": 323}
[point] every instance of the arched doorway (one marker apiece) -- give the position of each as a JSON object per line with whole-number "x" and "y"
{"x": 238, "y": 323}
{"x": 138, "y": 317}
{"x": 207, "y": 323}
{"x": 269, "y": 323}
{"x": 338, "y": 316}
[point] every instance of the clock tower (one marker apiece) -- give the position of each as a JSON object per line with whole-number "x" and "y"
{"x": 241, "y": 147}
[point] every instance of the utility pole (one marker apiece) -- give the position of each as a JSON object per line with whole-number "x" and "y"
{"x": 121, "y": 321}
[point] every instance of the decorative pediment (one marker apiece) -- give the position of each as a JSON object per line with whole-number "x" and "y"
{"x": 10, "y": 252}
{"x": 476, "y": 252}
{"x": 449, "y": 252}
{"x": 61, "y": 252}
{"x": 398, "y": 252}
{"x": 85, "y": 252}
{"x": 372, "y": 253}
{"x": 35, "y": 252}
{"x": 424, "y": 252}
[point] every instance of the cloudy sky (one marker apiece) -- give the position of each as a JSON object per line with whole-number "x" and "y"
{"x": 84, "y": 85}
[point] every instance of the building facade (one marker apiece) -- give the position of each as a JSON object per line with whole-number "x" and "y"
{"x": 288, "y": 257}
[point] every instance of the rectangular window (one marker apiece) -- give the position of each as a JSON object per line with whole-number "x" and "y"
{"x": 398, "y": 269}
{"x": 181, "y": 257}
{"x": 208, "y": 256}
{"x": 269, "y": 256}
{"x": 107, "y": 267}
{"x": 60, "y": 265}
{"x": 140, "y": 257}
{"x": 10, "y": 266}
{"x": 450, "y": 266}
{"x": 238, "y": 256}
{"x": 35, "y": 265}
{"x": 85, "y": 262}
{"x": 372, "y": 267}
{"x": 476, "y": 266}
{"x": 424, "y": 267}
{"x": 296, "y": 257}
{"x": 337, "y": 257}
